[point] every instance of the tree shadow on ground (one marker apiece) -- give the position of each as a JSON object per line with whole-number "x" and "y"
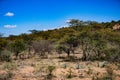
{"x": 69, "y": 59}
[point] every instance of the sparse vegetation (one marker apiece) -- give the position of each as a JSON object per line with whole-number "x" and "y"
{"x": 10, "y": 66}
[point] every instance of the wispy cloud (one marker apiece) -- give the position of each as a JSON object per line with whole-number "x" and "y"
{"x": 10, "y": 14}
{"x": 67, "y": 21}
{"x": 45, "y": 29}
{"x": 10, "y": 26}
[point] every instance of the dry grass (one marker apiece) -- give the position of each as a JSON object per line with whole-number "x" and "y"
{"x": 36, "y": 69}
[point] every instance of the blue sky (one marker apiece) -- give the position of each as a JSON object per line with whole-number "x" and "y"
{"x": 19, "y": 16}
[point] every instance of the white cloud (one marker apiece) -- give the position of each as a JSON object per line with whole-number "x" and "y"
{"x": 45, "y": 29}
{"x": 67, "y": 21}
{"x": 10, "y": 14}
{"x": 62, "y": 26}
{"x": 10, "y": 26}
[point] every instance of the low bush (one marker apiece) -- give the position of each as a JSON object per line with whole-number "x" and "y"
{"x": 9, "y": 66}
{"x": 7, "y": 76}
{"x": 5, "y": 55}
{"x": 50, "y": 75}
{"x": 50, "y": 69}
{"x": 70, "y": 72}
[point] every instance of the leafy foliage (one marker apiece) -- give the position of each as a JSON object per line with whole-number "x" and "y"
{"x": 5, "y": 55}
{"x": 17, "y": 47}
{"x": 98, "y": 41}
{"x": 50, "y": 69}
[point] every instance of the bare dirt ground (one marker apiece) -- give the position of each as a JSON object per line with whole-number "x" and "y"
{"x": 37, "y": 69}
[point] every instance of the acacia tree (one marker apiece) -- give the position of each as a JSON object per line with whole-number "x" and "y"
{"x": 34, "y": 31}
{"x": 1, "y": 35}
{"x": 76, "y": 24}
{"x": 3, "y": 48}
{"x": 17, "y": 47}
{"x": 85, "y": 43}
{"x": 113, "y": 52}
{"x": 42, "y": 46}
{"x": 28, "y": 40}
{"x": 70, "y": 43}
{"x": 3, "y": 44}
{"x": 93, "y": 44}
{"x": 73, "y": 22}
{"x": 60, "y": 49}
{"x": 99, "y": 45}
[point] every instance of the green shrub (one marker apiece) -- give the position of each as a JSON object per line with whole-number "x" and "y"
{"x": 69, "y": 75}
{"x": 119, "y": 67}
{"x": 50, "y": 69}
{"x": 78, "y": 66}
{"x": 5, "y": 55}
{"x": 9, "y": 66}
{"x": 50, "y": 75}
{"x": 17, "y": 47}
{"x": 65, "y": 66}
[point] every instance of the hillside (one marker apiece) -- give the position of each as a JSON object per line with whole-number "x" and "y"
{"x": 86, "y": 50}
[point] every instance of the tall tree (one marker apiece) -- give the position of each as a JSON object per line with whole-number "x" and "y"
{"x": 71, "y": 42}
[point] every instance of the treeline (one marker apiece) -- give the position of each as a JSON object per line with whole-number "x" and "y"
{"x": 98, "y": 41}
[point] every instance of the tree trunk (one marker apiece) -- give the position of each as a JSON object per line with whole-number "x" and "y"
{"x": 68, "y": 52}
{"x": 16, "y": 54}
{"x": 84, "y": 58}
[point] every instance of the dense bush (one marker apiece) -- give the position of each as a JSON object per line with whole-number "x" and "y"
{"x": 17, "y": 46}
{"x": 5, "y": 55}
{"x": 98, "y": 41}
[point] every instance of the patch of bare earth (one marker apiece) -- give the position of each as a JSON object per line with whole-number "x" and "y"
{"x": 24, "y": 73}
